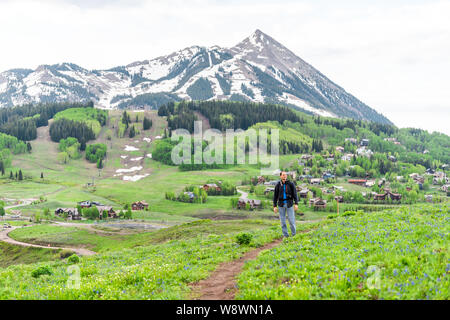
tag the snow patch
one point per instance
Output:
(132, 169)
(130, 148)
(135, 177)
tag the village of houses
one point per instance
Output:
(307, 185)
(329, 184)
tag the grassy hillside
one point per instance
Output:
(16, 255)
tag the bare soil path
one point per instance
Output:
(221, 285)
(4, 236)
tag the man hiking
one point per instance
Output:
(284, 197)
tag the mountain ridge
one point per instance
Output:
(258, 69)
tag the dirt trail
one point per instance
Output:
(221, 285)
(244, 195)
(4, 236)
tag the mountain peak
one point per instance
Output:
(257, 69)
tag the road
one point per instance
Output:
(4, 236)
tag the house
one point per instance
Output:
(261, 180)
(72, 213)
(139, 205)
(440, 177)
(351, 140)
(316, 181)
(88, 204)
(303, 193)
(364, 142)
(392, 158)
(190, 195)
(254, 204)
(340, 188)
(340, 149)
(271, 183)
(379, 196)
(347, 157)
(445, 187)
(318, 203)
(292, 175)
(429, 198)
(370, 183)
(327, 176)
(212, 186)
(362, 151)
(269, 190)
(359, 182)
(108, 209)
(386, 194)
(339, 199)
(306, 157)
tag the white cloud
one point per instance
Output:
(393, 55)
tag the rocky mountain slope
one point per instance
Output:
(258, 69)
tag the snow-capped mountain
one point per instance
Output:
(258, 69)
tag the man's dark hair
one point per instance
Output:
(281, 172)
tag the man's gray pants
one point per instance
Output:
(291, 217)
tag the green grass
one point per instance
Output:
(101, 241)
(161, 271)
(14, 255)
(409, 247)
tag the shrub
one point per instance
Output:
(73, 259)
(65, 253)
(42, 270)
(244, 238)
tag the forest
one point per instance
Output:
(22, 121)
(225, 114)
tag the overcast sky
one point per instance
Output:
(393, 55)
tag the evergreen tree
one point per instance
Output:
(29, 147)
(100, 163)
(82, 145)
(132, 132)
(20, 175)
(147, 123)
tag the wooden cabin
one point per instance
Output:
(359, 182)
(318, 203)
(139, 205)
(254, 204)
(72, 213)
(213, 186)
(108, 209)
